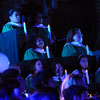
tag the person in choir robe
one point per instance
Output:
(14, 17)
(35, 21)
(36, 49)
(74, 46)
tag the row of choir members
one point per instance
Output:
(73, 46)
(34, 25)
(74, 39)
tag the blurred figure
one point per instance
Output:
(37, 69)
(75, 92)
(13, 84)
(43, 96)
(15, 66)
(59, 74)
(35, 21)
(82, 65)
(73, 79)
(74, 46)
(14, 17)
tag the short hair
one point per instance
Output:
(12, 11)
(70, 34)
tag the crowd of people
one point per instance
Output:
(40, 84)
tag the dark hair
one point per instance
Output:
(12, 11)
(10, 74)
(72, 91)
(32, 18)
(81, 56)
(70, 34)
(33, 63)
(79, 59)
(32, 42)
(10, 81)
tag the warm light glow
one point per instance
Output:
(25, 29)
(87, 76)
(47, 50)
(65, 72)
(87, 49)
(49, 30)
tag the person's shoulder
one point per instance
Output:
(75, 71)
(30, 50)
(7, 27)
(68, 44)
(30, 75)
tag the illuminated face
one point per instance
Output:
(84, 62)
(40, 43)
(39, 19)
(38, 65)
(78, 36)
(15, 17)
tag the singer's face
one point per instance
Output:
(15, 17)
(40, 43)
(78, 36)
(38, 65)
(84, 62)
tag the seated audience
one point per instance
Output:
(73, 79)
(37, 69)
(82, 65)
(59, 74)
(13, 85)
(75, 92)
